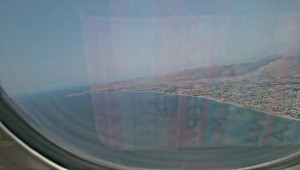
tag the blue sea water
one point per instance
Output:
(156, 130)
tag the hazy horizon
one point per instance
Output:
(58, 44)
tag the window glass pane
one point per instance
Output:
(157, 84)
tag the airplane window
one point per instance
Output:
(153, 84)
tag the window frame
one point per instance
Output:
(10, 117)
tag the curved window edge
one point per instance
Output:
(10, 118)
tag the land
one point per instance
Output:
(270, 85)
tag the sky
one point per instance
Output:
(47, 45)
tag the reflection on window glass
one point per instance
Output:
(157, 84)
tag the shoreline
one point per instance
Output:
(181, 94)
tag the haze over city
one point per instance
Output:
(50, 45)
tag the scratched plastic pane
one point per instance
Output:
(141, 120)
(157, 84)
